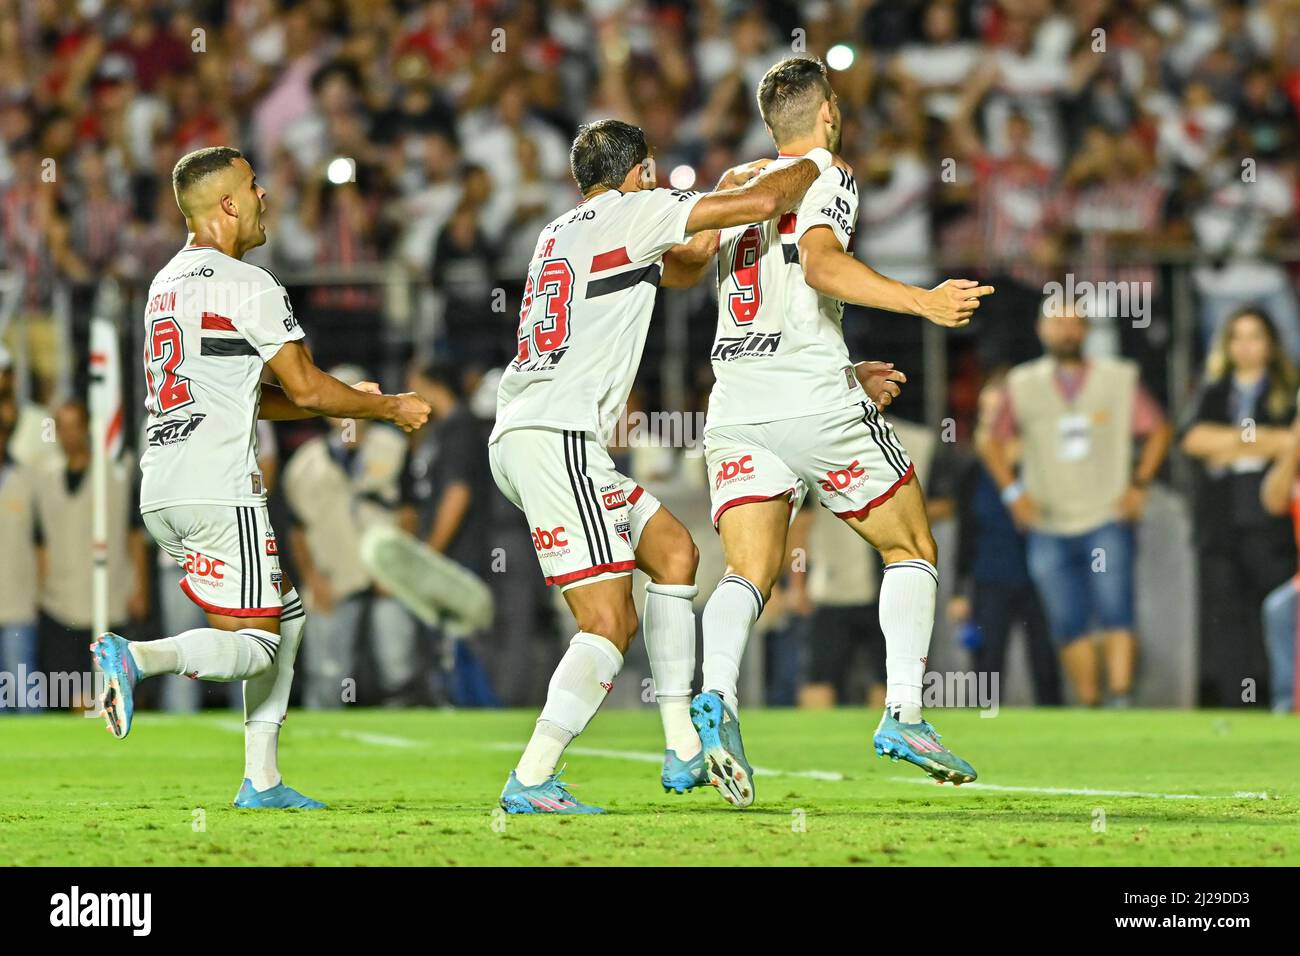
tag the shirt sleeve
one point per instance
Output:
(1005, 425)
(659, 221)
(832, 200)
(266, 320)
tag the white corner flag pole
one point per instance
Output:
(106, 426)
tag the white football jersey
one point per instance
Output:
(211, 323)
(779, 350)
(586, 310)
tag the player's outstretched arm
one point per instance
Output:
(316, 392)
(833, 272)
(762, 198)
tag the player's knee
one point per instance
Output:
(762, 577)
(617, 623)
(680, 568)
(918, 545)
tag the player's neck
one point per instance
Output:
(800, 147)
(202, 237)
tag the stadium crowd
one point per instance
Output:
(1145, 143)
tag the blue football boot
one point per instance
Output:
(120, 677)
(724, 752)
(549, 796)
(278, 797)
(919, 744)
(681, 775)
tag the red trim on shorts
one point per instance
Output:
(614, 567)
(749, 500)
(636, 494)
(231, 611)
(893, 489)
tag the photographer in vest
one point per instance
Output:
(1079, 494)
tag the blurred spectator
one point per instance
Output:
(444, 495)
(25, 422)
(1243, 210)
(1280, 494)
(464, 273)
(1017, 206)
(993, 591)
(337, 485)
(1238, 423)
(63, 499)
(1079, 494)
(18, 588)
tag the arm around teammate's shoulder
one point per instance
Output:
(762, 198)
(318, 392)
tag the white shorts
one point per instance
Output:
(851, 459)
(586, 518)
(229, 554)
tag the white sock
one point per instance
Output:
(266, 699)
(578, 687)
(208, 653)
(907, 596)
(729, 616)
(669, 628)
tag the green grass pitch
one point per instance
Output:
(419, 788)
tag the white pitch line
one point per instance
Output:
(377, 740)
(658, 758)
(1089, 792)
(381, 740)
(406, 743)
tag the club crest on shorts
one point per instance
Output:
(624, 529)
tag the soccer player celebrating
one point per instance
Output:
(788, 415)
(212, 322)
(583, 322)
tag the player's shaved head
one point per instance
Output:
(789, 96)
(195, 170)
(604, 152)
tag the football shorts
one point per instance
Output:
(850, 459)
(229, 554)
(585, 517)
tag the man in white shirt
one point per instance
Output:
(212, 323)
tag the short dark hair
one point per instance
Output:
(198, 165)
(604, 152)
(789, 91)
